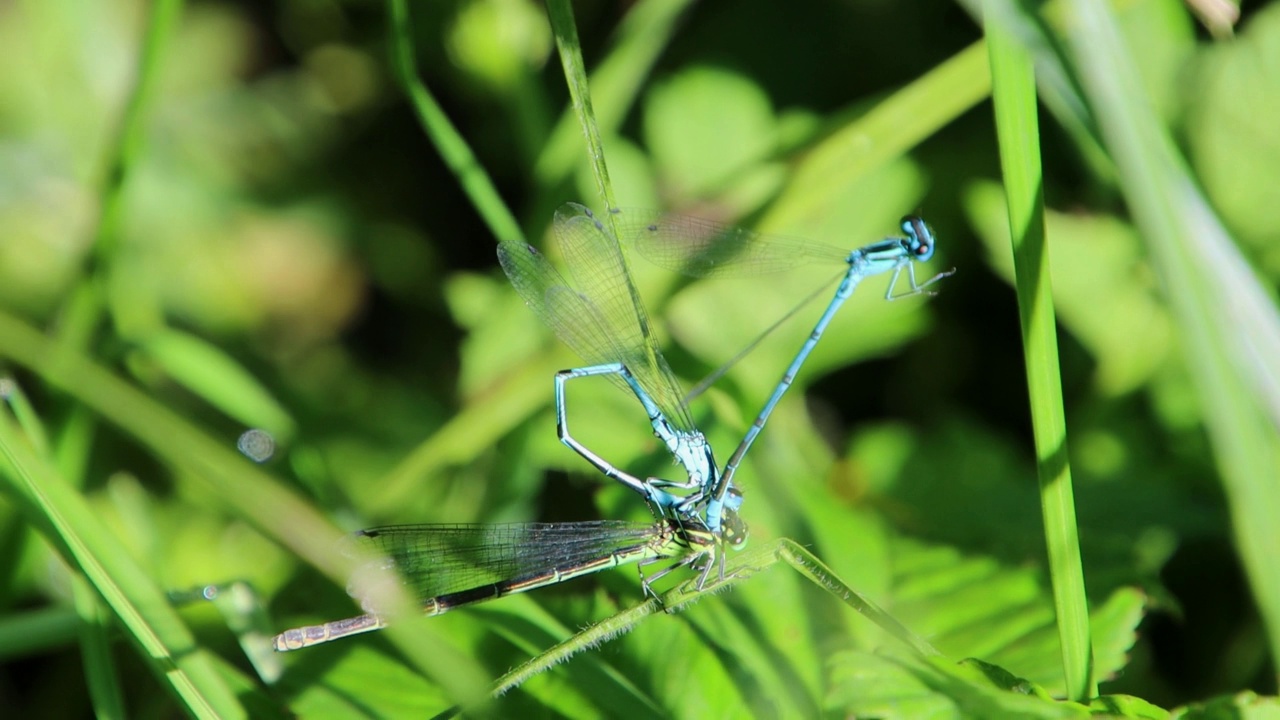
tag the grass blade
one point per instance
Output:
(642, 37)
(885, 133)
(1229, 326)
(87, 545)
(575, 73)
(277, 511)
(1014, 96)
(453, 149)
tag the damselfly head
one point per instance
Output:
(919, 237)
(733, 529)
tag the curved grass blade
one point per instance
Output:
(142, 608)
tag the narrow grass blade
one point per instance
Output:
(252, 494)
(29, 632)
(95, 650)
(453, 148)
(86, 544)
(884, 133)
(1014, 96)
(84, 309)
(95, 618)
(575, 73)
(642, 37)
(1229, 325)
(208, 371)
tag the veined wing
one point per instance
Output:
(597, 264)
(436, 560)
(699, 247)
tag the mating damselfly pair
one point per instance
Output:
(600, 316)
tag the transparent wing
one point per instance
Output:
(597, 264)
(439, 559)
(704, 248)
(570, 315)
(601, 315)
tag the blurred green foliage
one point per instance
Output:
(291, 254)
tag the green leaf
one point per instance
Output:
(704, 126)
(976, 607)
(871, 686)
(1232, 143)
(1127, 706)
(358, 681)
(1243, 706)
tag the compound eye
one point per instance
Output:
(734, 531)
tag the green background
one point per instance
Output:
(274, 242)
